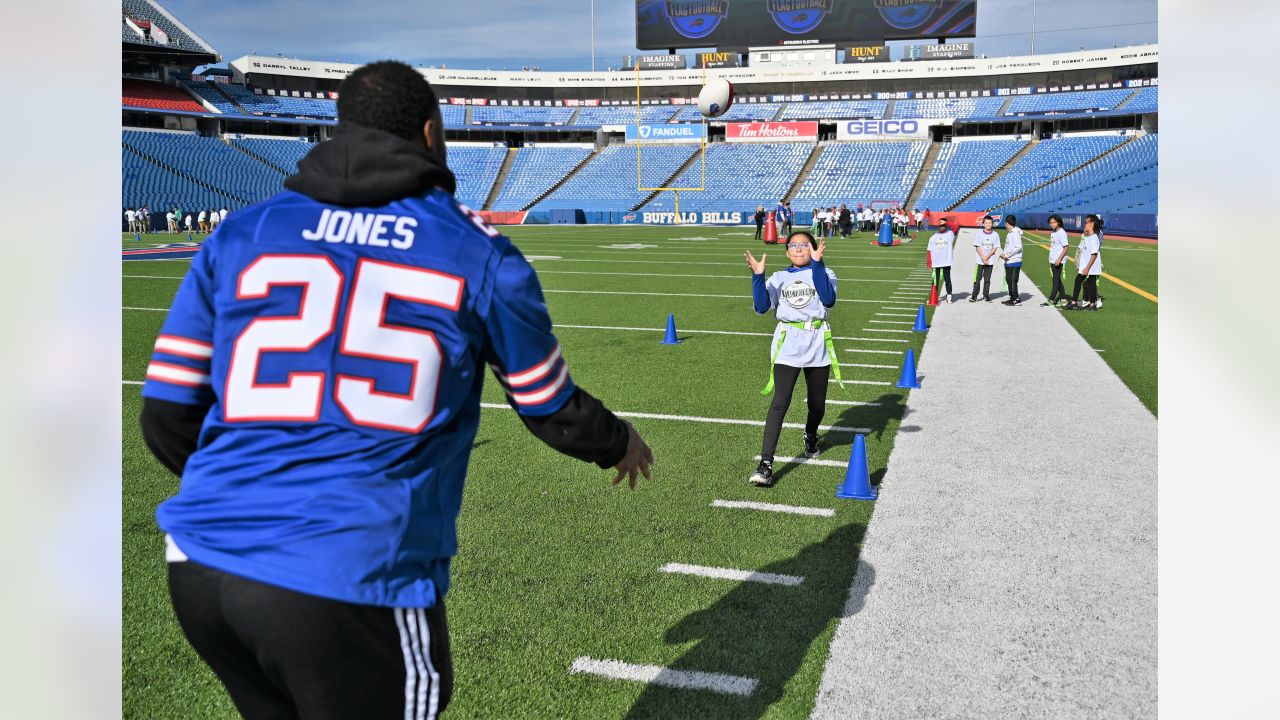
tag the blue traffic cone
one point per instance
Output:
(137, 237)
(857, 479)
(189, 238)
(670, 337)
(920, 326)
(908, 379)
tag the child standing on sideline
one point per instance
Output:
(1088, 265)
(988, 244)
(941, 248)
(1012, 256)
(801, 295)
(1058, 245)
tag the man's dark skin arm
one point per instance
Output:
(172, 431)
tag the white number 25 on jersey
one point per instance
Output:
(364, 334)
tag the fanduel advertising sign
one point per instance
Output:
(882, 130)
(668, 133)
(771, 131)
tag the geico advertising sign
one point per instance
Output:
(771, 131)
(668, 133)
(686, 218)
(882, 130)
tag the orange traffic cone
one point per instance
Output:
(770, 229)
(933, 296)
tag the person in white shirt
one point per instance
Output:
(214, 219)
(203, 221)
(1059, 244)
(941, 249)
(187, 219)
(222, 215)
(130, 220)
(171, 221)
(1088, 265)
(919, 219)
(1012, 257)
(987, 244)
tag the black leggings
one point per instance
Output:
(983, 276)
(1059, 290)
(759, 229)
(784, 382)
(1090, 284)
(1011, 275)
(942, 275)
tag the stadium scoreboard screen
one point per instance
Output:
(759, 23)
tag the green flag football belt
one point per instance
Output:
(807, 325)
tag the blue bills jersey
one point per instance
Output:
(341, 352)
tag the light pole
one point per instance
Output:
(1033, 26)
(593, 35)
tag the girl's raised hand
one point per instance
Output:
(757, 266)
(817, 253)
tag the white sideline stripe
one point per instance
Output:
(715, 421)
(808, 461)
(659, 675)
(869, 350)
(153, 277)
(731, 574)
(852, 402)
(131, 382)
(774, 507)
(865, 365)
(147, 309)
(899, 307)
(894, 315)
(709, 332)
(639, 275)
(887, 330)
(855, 382)
(892, 322)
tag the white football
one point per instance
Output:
(716, 98)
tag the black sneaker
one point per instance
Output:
(987, 299)
(973, 298)
(763, 476)
(1046, 304)
(811, 446)
(1006, 302)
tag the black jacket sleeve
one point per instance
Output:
(171, 431)
(583, 429)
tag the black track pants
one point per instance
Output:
(284, 655)
(784, 382)
(983, 277)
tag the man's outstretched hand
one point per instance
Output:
(637, 461)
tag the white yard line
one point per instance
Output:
(720, 573)
(715, 421)
(866, 365)
(131, 382)
(910, 315)
(853, 402)
(869, 350)
(659, 675)
(866, 382)
(891, 322)
(886, 330)
(774, 507)
(778, 459)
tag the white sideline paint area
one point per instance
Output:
(869, 350)
(908, 315)
(858, 403)
(887, 330)
(867, 365)
(714, 421)
(892, 322)
(806, 461)
(774, 507)
(584, 272)
(666, 677)
(731, 574)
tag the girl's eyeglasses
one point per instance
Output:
(794, 246)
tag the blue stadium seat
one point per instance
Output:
(206, 91)
(499, 115)
(237, 177)
(962, 166)
(739, 177)
(1145, 101)
(534, 170)
(622, 115)
(475, 167)
(739, 112)
(265, 104)
(143, 10)
(948, 107)
(1126, 181)
(608, 182)
(283, 153)
(861, 172)
(835, 110)
(1047, 160)
(1066, 101)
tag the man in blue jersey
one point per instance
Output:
(317, 387)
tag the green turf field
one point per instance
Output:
(555, 564)
(1124, 331)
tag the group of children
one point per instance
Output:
(139, 220)
(988, 247)
(803, 294)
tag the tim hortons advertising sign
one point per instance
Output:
(771, 131)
